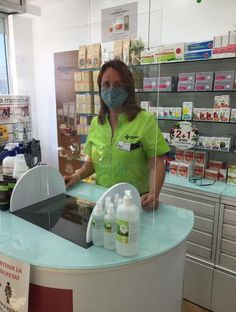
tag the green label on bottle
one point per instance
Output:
(109, 226)
(122, 231)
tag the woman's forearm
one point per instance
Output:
(157, 175)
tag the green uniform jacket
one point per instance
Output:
(123, 157)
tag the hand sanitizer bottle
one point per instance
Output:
(98, 225)
(127, 227)
(110, 228)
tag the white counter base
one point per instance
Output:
(152, 285)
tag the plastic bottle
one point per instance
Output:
(20, 166)
(110, 228)
(98, 225)
(116, 199)
(107, 203)
(127, 227)
(8, 165)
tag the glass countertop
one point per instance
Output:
(160, 231)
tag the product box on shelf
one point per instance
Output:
(95, 78)
(147, 56)
(232, 38)
(200, 45)
(89, 53)
(189, 156)
(223, 85)
(217, 42)
(225, 40)
(96, 56)
(215, 143)
(216, 165)
(82, 56)
(201, 142)
(211, 174)
(222, 175)
(197, 113)
(118, 50)
(170, 52)
(231, 175)
(203, 113)
(174, 168)
(200, 157)
(204, 76)
(203, 86)
(160, 112)
(187, 77)
(233, 115)
(216, 114)
(187, 113)
(185, 170)
(185, 86)
(226, 143)
(197, 55)
(224, 114)
(210, 114)
(221, 101)
(227, 75)
(198, 170)
(179, 155)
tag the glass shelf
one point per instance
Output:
(232, 150)
(223, 59)
(182, 92)
(205, 121)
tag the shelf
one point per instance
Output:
(232, 150)
(185, 92)
(211, 60)
(204, 121)
(185, 62)
(86, 92)
(86, 114)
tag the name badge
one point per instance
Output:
(124, 146)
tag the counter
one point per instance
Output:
(66, 277)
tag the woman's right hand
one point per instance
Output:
(71, 180)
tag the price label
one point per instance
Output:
(183, 135)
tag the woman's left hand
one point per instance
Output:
(149, 201)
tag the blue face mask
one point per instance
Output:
(114, 97)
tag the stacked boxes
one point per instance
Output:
(83, 81)
(95, 78)
(224, 80)
(204, 81)
(84, 103)
(163, 84)
(198, 50)
(225, 46)
(186, 82)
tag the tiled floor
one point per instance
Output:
(190, 307)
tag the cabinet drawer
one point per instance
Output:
(229, 230)
(228, 262)
(230, 216)
(228, 245)
(201, 251)
(197, 207)
(200, 238)
(203, 223)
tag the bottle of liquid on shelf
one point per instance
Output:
(20, 166)
(107, 203)
(98, 225)
(8, 165)
(127, 227)
(110, 228)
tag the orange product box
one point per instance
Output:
(179, 155)
(211, 174)
(189, 156)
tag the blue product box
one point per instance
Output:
(197, 55)
(202, 45)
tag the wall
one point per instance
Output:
(63, 25)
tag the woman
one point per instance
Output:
(124, 143)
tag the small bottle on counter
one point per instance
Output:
(8, 165)
(110, 228)
(98, 225)
(4, 196)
